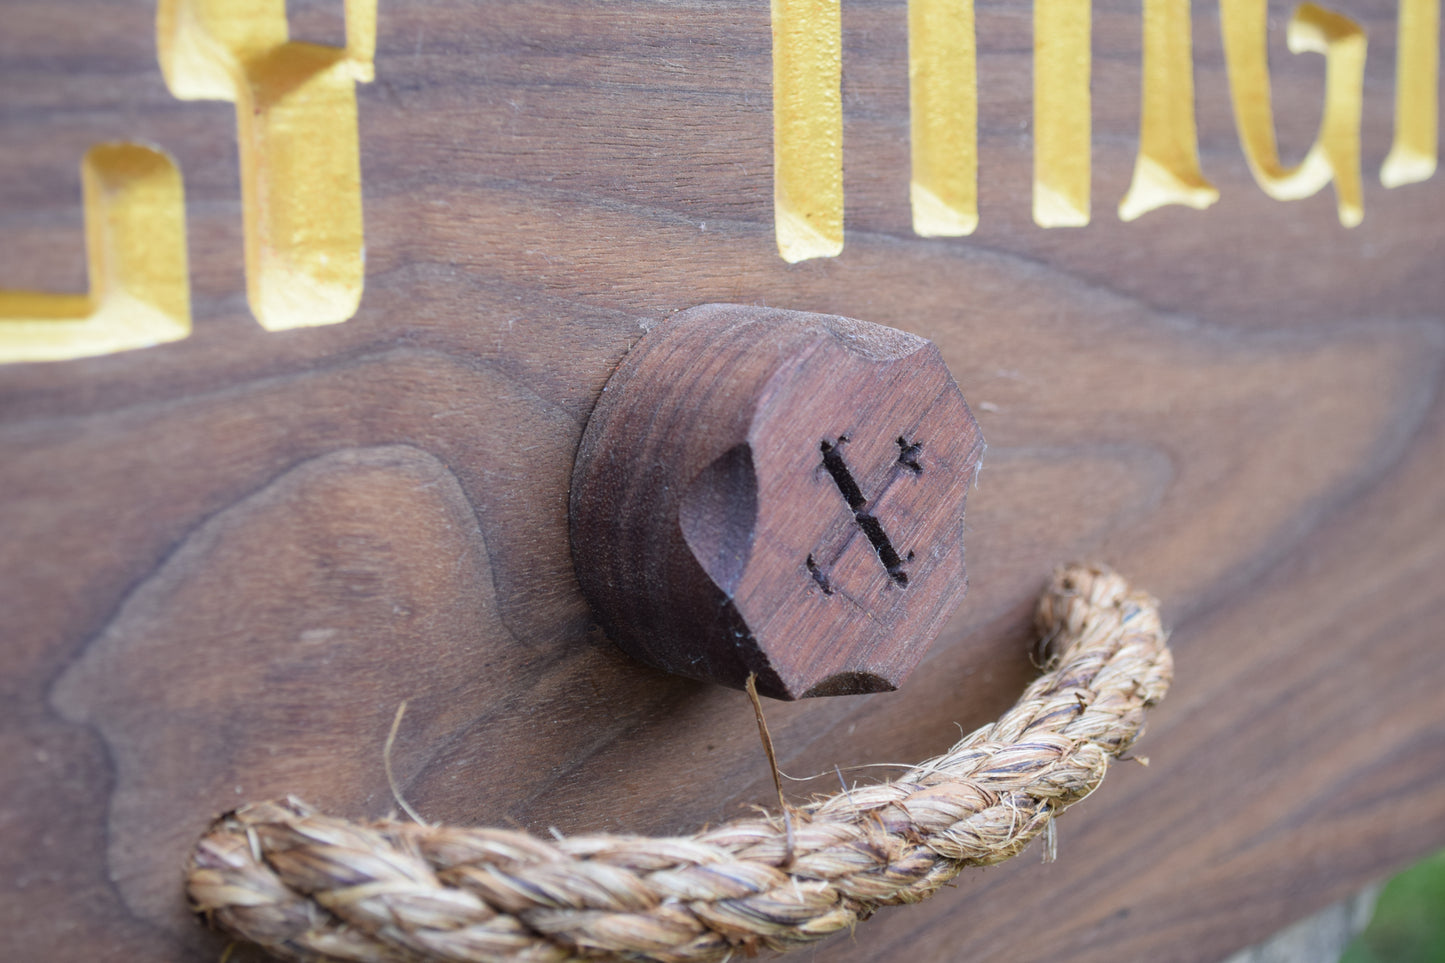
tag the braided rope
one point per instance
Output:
(313, 888)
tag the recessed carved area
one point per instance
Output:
(135, 243)
(819, 575)
(299, 142)
(909, 453)
(718, 513)
(867, 523)
(850, 683)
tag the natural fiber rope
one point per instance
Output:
(315, 888)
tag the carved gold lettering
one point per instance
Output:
(808, 128)
(1062, 105)
(1166, 170)
(135, 243)
(943, 111)
(1335, 154)
(1415, 150)
(297, 132)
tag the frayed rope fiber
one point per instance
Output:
(312, 887)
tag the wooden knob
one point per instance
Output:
(776, 492)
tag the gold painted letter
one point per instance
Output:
(135, 245)
(1415, 150)
(1167, 168)
(1335, 154)
(1062, 123)
(808, 128)
(297, 131)
(943, 111)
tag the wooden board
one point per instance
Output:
(227, 560)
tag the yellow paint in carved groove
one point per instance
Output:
(300, 153)
(1063, 127)
(943, 116)
(1415, 150)
(1335, 154)
(808, 128)
(135, 243)
(1166, 170)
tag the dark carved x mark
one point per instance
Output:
(867, 523)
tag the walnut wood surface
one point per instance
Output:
(227, 560)
(777, 494)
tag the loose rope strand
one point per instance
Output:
(313, 888)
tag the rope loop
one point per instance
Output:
(310, 887)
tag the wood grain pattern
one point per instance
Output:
(227, 560)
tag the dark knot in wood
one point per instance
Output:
(776, 492)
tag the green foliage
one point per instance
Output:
(1409, 921)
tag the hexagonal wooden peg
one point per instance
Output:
(776, 492)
